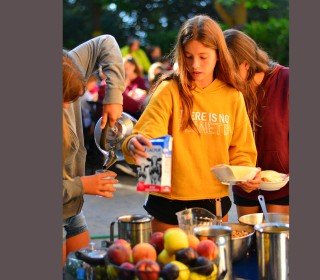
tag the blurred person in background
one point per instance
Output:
(265, 86)
(155, 71)
(136, 88)
(154, 53)
(134, 49)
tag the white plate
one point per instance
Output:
(232, 174)
(274, 186)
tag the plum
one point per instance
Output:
(186, 255)
(170, 272)
(201, 265)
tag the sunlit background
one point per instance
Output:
(156, 22)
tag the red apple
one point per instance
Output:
(118, 254)
(207, 248)
(143, 251)
(156, 239)
(147, 270)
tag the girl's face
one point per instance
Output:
(201, 62)
(129, 68)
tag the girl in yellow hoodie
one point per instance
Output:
(200, 108)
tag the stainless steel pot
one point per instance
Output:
(109, 140)
(257, 218)
(273, 250)
(221, 235)
(133, 228)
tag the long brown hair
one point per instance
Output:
(205, 30)
(73, 88)
(245, 49)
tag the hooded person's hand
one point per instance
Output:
(110, 114)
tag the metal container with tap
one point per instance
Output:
(109, 140)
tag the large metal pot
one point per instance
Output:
(240, 245)
(258, 218)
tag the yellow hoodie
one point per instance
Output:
(225, 136)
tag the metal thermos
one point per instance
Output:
(133, 228)
(273, 251)
(221, 235)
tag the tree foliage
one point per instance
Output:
(157, 22)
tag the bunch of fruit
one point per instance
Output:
(172, 255)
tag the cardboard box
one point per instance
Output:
(154, 172)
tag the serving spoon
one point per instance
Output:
(263, 207)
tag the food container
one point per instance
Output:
(134, 228)
(240, 245)
(273, 250)
(272, 180)
(232, 174)
(221, 235)
(257, 218)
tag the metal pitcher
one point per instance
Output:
(109, 140)
(273, 250)
(221, 235)
(133, 228)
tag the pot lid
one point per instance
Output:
(91, 255)
(136, 218)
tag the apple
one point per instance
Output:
(164, 257)
(193, 241)
(207, 248)
(156, 239)
(175, 239)
(127, 271)
(147, 270)
(118, 254)
(186, 255)
(143, 251)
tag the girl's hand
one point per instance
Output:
(100, 184)
(253, 184)
(137, 147)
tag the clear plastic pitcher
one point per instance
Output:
(190, 218)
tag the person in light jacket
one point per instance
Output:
(79, 64)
